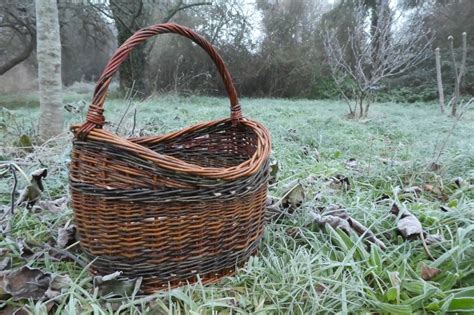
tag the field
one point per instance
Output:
(407, 154)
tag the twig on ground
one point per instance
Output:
(15, 183)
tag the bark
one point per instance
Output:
(22, 56)
(129, 17)
(49, 68)
(439, 80)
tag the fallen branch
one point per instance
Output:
(15, 183)
(339, 218)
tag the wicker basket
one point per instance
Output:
(170, 207)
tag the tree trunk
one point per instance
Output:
(361, 106)
(49, 69)
(439, 80)
(131, 72)
(129, 17)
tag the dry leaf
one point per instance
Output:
(66, 236)
(26, 283)
(294, 195)
(351, 163)
(320, 288)
(11, 309)
(114, 285)
(409, 226)
(434, 167)
(270, 201)
(339, 182)
(395, 210)
(408, 193)
(24, 249)
(459, 182)
(55, 206)
(335, 216)
(428, 273)
(334, 221)
(5, 263)
(274, 168)
(32, 193)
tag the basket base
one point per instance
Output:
(151, 284)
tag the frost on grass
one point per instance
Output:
(334, 182)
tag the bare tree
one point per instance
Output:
(17, 29)
(458, 72)
(130, 16)
(49, 68)
(372, 53)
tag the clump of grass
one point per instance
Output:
(314, 271)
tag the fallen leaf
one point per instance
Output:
(434, 167)
(55, 206)
(459, 182)
(337, 217)
(26, 283)
(114, 285)
(335, 209)
(334, 221)
(351, 163)
(66, 236)
(415, 190)
(409, 226)
(339, 182)
(32, 193)
(5, 263)
(395, 210)
(294, 195)
(270, 201)
(320, 288)
(24, 249)
(11, 309)
(274, 168)
(428, 273)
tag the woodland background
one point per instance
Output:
(274, 48)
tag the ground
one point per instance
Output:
(407, 154)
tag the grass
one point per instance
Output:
(318, 271)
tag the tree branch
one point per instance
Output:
(180, 7)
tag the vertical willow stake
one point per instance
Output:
(439, 80)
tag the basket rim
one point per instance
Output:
(134, 144)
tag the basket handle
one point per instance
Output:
(95, 118)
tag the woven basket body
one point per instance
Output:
(170, 207)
